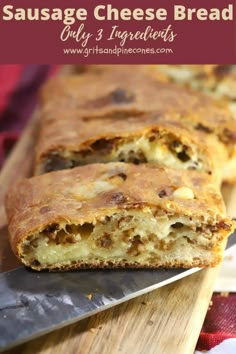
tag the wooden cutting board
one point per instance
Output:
(165, 321)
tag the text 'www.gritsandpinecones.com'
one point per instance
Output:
(117, 51)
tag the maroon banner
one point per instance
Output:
(121, 31)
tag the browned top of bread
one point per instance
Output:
(90, 192)
(127, 90)
(76, 109)
(197, 70)
(218, 80)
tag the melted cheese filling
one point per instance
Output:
(160, 154)
(180, 74)
(130, 235)
(140, 150)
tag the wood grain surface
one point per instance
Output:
(165, 321)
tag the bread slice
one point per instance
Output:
(142, 138)
(85, 120)
(219, 81)
(117, 215)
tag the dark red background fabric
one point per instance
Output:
(220, 322)
(19, 86)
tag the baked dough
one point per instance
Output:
(117, 215)
(123, 114)
(219, 81)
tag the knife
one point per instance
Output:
(33, 304)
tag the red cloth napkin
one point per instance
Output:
(19, 86)
(18, 91)
(220, 321)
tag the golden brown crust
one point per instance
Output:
(104, 136)
(71, 98)
(217, 80)
(80, 110)
(91, 192)
(215, 259)
(86, 96)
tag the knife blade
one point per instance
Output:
(35, 303)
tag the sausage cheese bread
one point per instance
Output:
(117, 215)
(128, 116)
